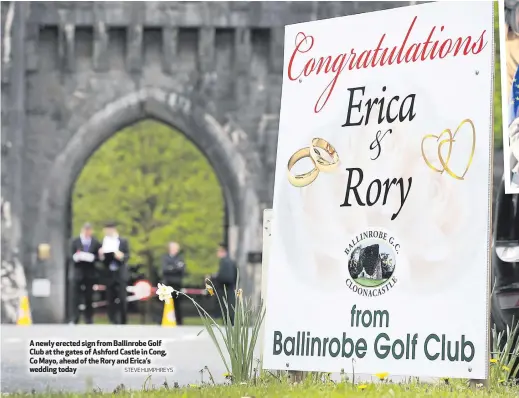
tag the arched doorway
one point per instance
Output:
(159, 187)
(199, 126)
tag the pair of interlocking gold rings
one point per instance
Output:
(449, 141)
(321, 164)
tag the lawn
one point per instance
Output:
(370, 282)
(307, 389)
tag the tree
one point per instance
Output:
(387, 265)
(159, 187)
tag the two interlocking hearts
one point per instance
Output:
(448, 138)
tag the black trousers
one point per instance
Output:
(229, 289)
(116, 297)
(177, 301)
(83, 292)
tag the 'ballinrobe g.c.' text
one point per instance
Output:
(408, 51)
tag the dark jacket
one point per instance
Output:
(227, 272)
(173, 268)
(83, 268)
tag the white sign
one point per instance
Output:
(41, 288)
(510, 94)
(267, 242)
(141, 290)
(380, 240)
(83, 256)
(110, 244)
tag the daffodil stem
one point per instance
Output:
(197, 306)
(237, 338)
(210, 375)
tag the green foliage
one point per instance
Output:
(159, 187)
(271, 386)
(498, 115)
(234, 342)
(505, 354)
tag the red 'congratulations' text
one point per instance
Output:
(407, 52)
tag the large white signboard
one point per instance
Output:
(380, 240)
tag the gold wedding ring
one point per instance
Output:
(301, 180)
(321, 163)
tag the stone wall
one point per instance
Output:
(12, 276)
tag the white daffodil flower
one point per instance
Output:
(164, 292)
(209, 289)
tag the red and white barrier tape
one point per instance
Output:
(142, 290)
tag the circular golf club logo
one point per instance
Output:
(372, 258)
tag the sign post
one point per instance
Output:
(267, 232)
(294, 376)
(382, 195)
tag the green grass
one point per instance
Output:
(307, 389)
(370, 282)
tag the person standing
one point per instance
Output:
(114, 253)
(84, 255)
(225, 279)
(173, 270)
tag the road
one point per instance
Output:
(187, 353)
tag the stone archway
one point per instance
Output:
(172, 109)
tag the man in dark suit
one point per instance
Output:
(114, 253)
(84, 255)
(225, 279)
(173, 270)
